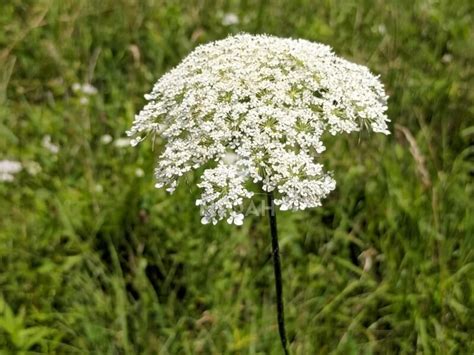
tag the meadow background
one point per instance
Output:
(93, 259)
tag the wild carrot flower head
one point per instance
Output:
(255, 108)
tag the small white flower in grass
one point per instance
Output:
(122, 143)
(447, 58)
(8, 169)
(106, 139)
(255, 109)
(139, 172)
(84, 100)
(88, 89)
(47, 144)
(230, 19)
(76, 87)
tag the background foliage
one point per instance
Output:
(94, 259)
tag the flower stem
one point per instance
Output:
(277, 270)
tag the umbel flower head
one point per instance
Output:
(255, 108)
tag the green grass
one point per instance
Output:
(93, 259)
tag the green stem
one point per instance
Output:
(277, 270)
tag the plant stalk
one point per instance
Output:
(277, 270)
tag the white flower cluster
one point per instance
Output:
(8, 168)
(49, 145)
(265, 102)
(230, 19)
(84, 91)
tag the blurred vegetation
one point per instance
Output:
(93, 259)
